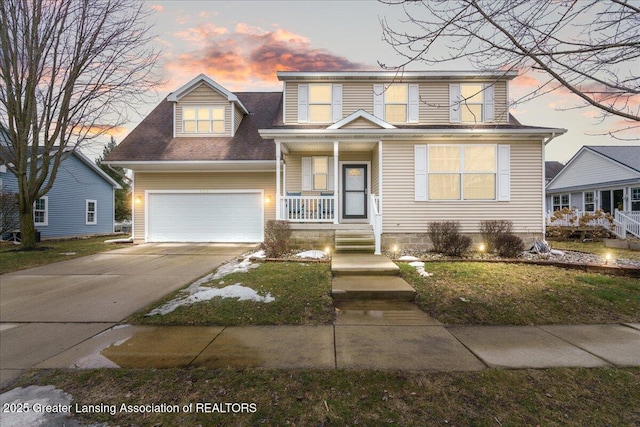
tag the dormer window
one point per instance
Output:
(203, 119)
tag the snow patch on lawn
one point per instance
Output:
(315, 254)
(419, 266)
(408, 258)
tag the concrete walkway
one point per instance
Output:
(366, 335)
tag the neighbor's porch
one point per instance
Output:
(331, 184)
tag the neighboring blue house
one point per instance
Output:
(80, 203)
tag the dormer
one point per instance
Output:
(203, 108)
(411, 98)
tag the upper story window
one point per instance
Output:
(471, 103)
(203, 119)
(396, 99)
(319, 103)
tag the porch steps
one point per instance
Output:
(364, 276)
(359, 241)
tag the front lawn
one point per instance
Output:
(549, 397)
(12, 258)
(597, 248)
(465, 293)
(302, 295)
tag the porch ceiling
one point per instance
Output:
(328, 146)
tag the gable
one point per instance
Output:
(360, 123)
(203, 94)
(588, 168)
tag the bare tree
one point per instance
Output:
(8, 211)
(589, 47)
(70, 71)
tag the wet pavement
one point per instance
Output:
(385, 335)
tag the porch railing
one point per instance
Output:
(308, 208)
(626, 223)
(376, 222)
(572, 219)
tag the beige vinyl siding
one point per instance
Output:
(203, 95)
(404, 215)
(201, 181)
(237, 117)
(433, 102)
(375, 171)
(294, 166)
(360, 123)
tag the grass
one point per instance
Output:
(301, 292)
(567, 397)
(510, 294)
(50, 251)
(597, 248)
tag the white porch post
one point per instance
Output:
(278, 155)
(336, 174)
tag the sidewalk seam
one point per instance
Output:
(477, 356)
(207, 346)
(576, 346)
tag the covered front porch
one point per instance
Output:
(330, 185)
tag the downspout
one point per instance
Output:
(544, 186)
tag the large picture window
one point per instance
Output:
(203, 119)
(462, 172)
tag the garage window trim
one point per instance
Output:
(91, 212)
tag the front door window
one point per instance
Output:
(354, 178)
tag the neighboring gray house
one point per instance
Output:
(80, 203)
(551, 169)
(598, 177)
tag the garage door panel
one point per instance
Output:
(205, 217)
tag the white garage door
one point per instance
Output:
(205, 217)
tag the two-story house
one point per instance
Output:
(333, 151)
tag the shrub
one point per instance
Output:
(490, 230)
(509, 245)
(446, 238)
(276, 238)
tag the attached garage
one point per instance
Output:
(204, 216)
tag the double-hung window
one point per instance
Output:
(203, 119)
(589, 201)
(396, 99)
(471, 103)
(41, 211)
(91, 212)
(635, 199)
(320, 173)
(560, 201)
(320, 103)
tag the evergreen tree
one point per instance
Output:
(123, 196)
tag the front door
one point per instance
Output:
(354, 191)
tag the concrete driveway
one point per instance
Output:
(46, 310)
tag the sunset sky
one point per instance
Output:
(241, 45)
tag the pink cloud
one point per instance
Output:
(249, 56)
(157, 7)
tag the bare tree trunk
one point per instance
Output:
(27, 227)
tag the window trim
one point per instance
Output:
(211, 120)
(406, 104)
(87, 212)
(314, 173)
(633, 200)
(560, 204)
(45, 210)
(585, 203)
(310, 104)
